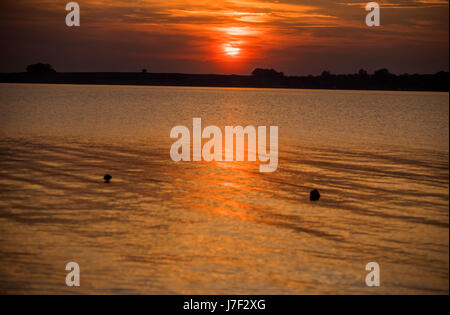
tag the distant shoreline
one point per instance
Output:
(438, 82)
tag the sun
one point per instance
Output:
(231, 50)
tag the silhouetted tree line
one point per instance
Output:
(40, 68)
(380, 80)
(267, 73)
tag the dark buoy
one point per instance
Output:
(107, 178)
(314, 195)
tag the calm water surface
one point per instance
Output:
(380, 160)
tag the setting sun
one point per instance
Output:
(230, 50)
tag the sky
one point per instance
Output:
(225, 36)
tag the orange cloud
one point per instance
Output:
(241, 33)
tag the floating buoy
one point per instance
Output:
(107, 178)
(314, 195)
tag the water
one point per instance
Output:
(379, 159)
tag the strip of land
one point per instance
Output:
(361, 81)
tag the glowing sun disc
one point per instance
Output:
(230, 50)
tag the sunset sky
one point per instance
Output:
(226, 36)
